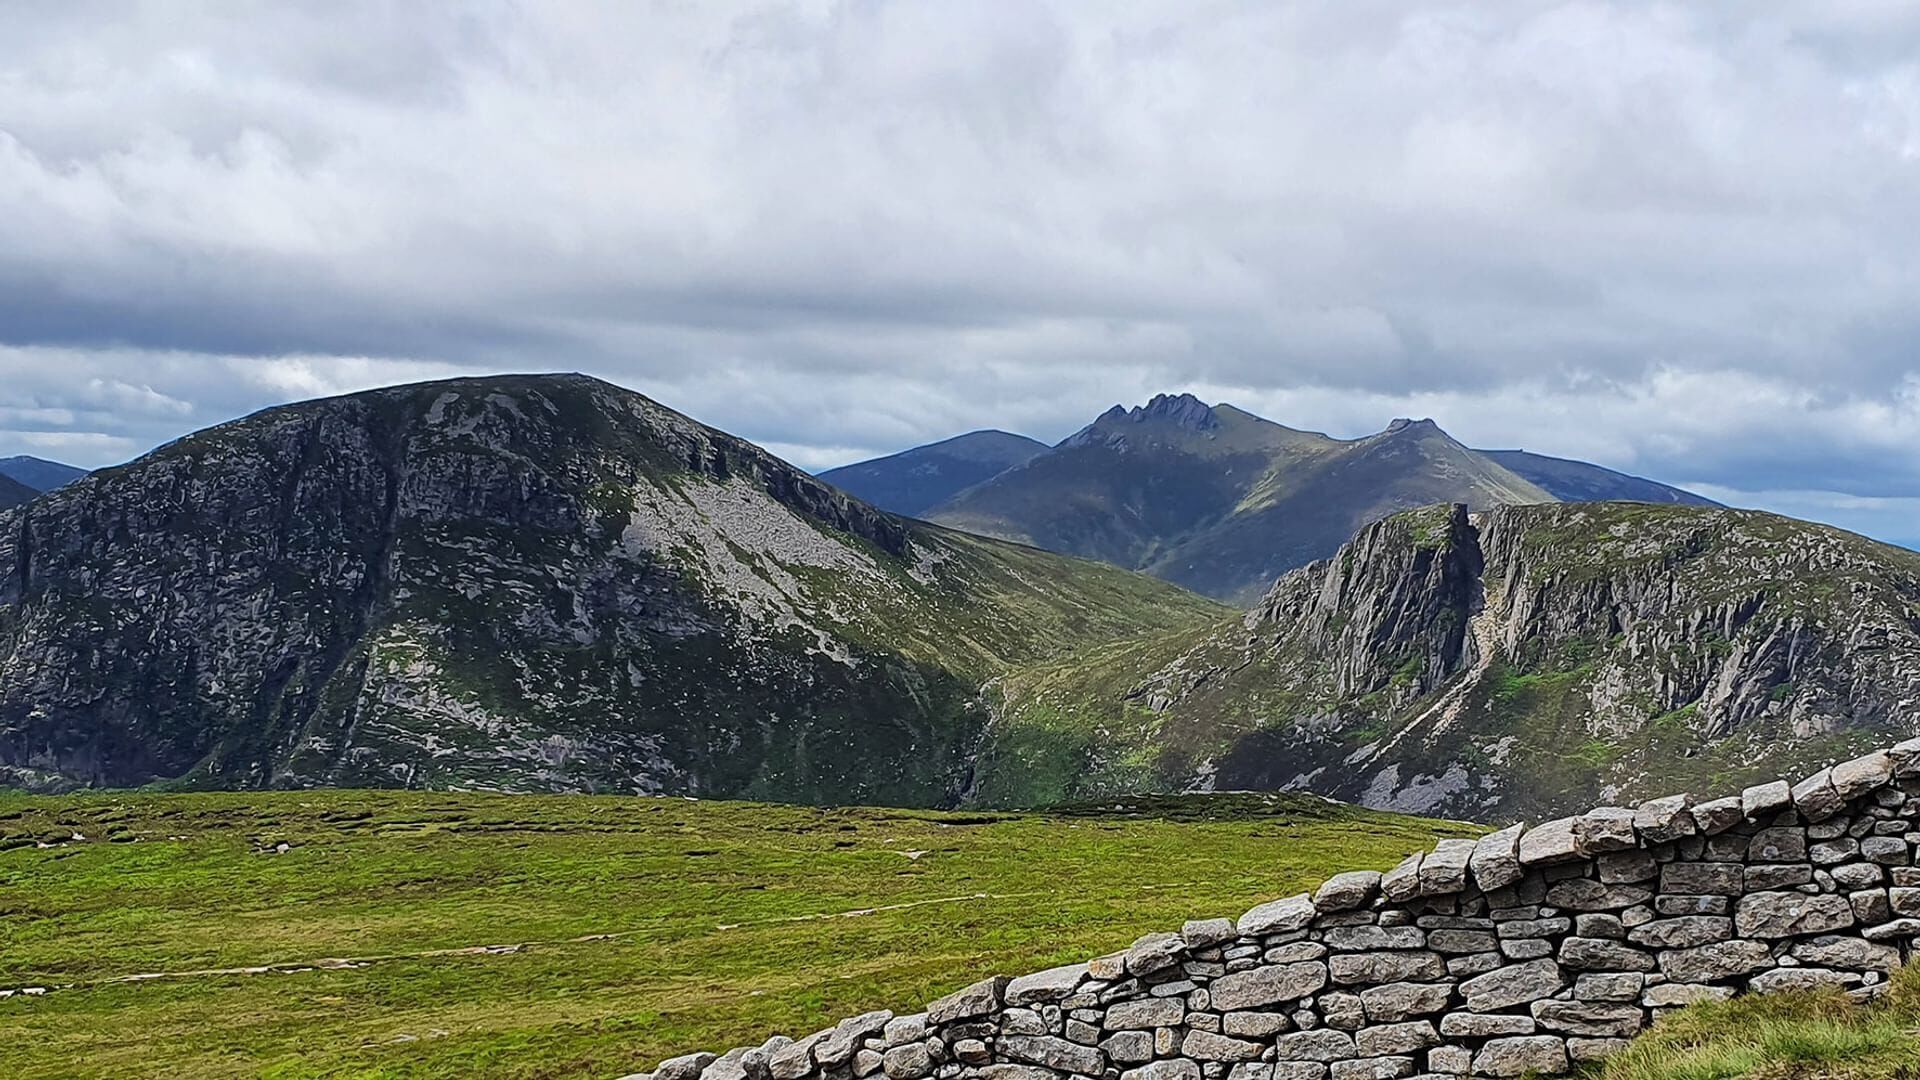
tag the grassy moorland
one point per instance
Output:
(406, 934)
(1800, 1036)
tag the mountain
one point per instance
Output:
(1520, 661)
(913, 480)
(1219, 500)
(13, 492)
(527, 583)
(1578, 481)
(39, 473)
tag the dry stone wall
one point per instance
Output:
(1528, 950)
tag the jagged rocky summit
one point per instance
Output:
(1527, 951)
(1516, 661)
(539, 583)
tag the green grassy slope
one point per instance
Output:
(631, 928)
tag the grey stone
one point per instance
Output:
(1600, 954)
(1800, 978)
(795, 1061)
(1496, 859)
(1402, 1001)
(1685, 932)
(979, 999)
(1278, 916)
(684, 1067)
(1549, 842)
(1703, 879)
(1672, 994)
(1693, 905)
(838, 1047)
(1387, 1039)
(1885, 850)
(1583, 1051)
(1481, 1025)
(1207, 1046)
(1815, 797)
(1444, 870)
(1627, 867)
(1129, 1047)
(1855, 778)
(1343, 1010)
(1609, 986)
(1054, 1053)
(1719, 815)
(1144, 1013)
(1206, 933)
(1829, 852)
(1765, 800)
(1320, 1044)
(1870, 905)
(1526, 948)
(1296, 952)
(1022, 1022)
(1267, 985)
(976, 1051)
(1661, 820)
(1045, 986)
(1370, 938)
(1605, 828)
(1521, 1055)
(1154, 952)
(1108, 968)
(1790, 914)
(1847, 952)
(1905, 900)
(1299, 1070)
(1778, 845)
(1466, 967)
(1373, 1068)
(1711, 963)
(905, 1029)
(1594, 1019)
(1349, 969)
(1461, 941)
(1260, 1070)
(909, 1062)
(1778, 876)
(868, 1062)
(1600, 924)
(1403, 881)
(1254, 1025)
(1585, 894)
(1509, 986)
(1344, 892)
(1450, 1061)
(1533, 928)
(1172, 1069)
(1892, 931)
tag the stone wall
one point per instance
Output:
(1528, 950)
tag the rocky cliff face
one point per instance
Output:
(525, 584)
(1516, 661)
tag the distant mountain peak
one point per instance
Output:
(1184, 410)
(1422, 426)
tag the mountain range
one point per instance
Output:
(551, 583)
(543, 583)
(1214, 498)
(22, 478)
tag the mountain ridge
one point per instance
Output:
(520, 583)
(39, 474)
(913, 480)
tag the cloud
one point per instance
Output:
(1683, 239)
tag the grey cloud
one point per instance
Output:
(1683, 239)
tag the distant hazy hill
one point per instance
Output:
(39, 473)
(1578, 481)
(913, 480)
(540, 583)
(1220, 500)
(1525, 661)
(13, 492)
(1214, 498)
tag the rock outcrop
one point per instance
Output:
(1526, 951)
(1521, 661)
(538, 583)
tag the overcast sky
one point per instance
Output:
(1679, 240)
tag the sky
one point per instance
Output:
(1681, 240)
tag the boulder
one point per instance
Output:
(1862, 775)
(1550, 842)
(1045, 986)
(1206, 933)
(1606, 828)
(684, 1067)
(1718, 815)
(1154, 952)
(1403, 881)
(979, 999)
(1762, 801)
